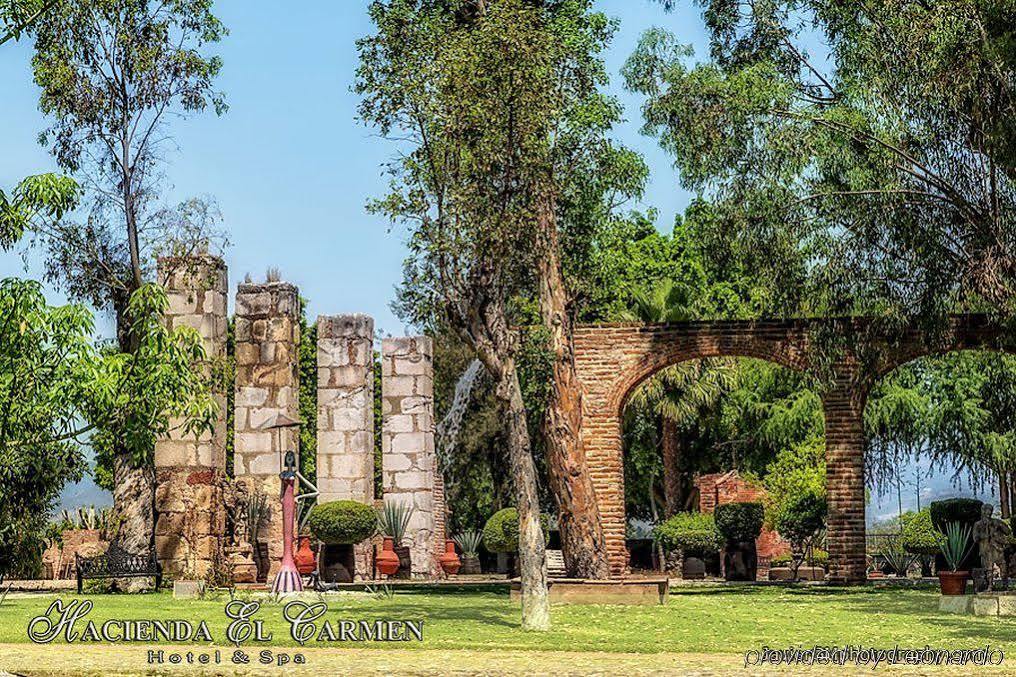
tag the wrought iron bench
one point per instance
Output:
(117, 563)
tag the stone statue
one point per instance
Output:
(991, 536)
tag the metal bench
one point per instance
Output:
(117, 563)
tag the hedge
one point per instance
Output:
(918, 534)
(739, 521)
(342, 522)
(962, 510)
(689, 532)
(501, 532)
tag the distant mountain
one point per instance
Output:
(83, 494)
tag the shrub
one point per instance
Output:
(918, 534)
(689, 532)
(802, 519)
(739, 521)
(819, 558)
(342, 522)
(962, 510)
(501, 532)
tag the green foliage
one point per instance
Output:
(896, 555)
(469, 542)
(956, 544)
(739, 521)
(882, 161)
(342, 522)
(918, 533)
(692, 533)
(393, 519)
(501, 532)
(802, 519)
(308, 395)
(960, 510)
(797, 471)
(45, 197)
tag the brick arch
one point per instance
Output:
(611, 360)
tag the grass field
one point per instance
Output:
(709, 623)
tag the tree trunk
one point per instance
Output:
(1003, 494)
(582, 541)
(133, 487)
(532, 548)
(1012, 493)
(671, 444)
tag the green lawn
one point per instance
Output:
(702, 620)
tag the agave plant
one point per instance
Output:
(254, 517)
(393, 520)
(469, 542)
(898, 559)
(956, 545)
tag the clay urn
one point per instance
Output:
(306, 561)
(450, 561)
(388, 561)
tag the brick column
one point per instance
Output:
(844, 434)
(409, 463)
(267, 383)
(602, 440)
(190, 518)
(345, 428)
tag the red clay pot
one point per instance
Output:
(388, 561)
(450, 561)
(306, 562)
(953, 582)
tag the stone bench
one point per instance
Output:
(616, 591)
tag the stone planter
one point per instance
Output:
(470, 565)
(740, 561)
(242, 565)
(405, 562)
(693, 569)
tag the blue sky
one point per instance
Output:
(289, 164)
(291, 167)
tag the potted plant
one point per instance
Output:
(245, 562)
(895, 555)
(964, 511)
(801, 520)
(340, 525)
(501, 532)
(392, 522)
(469, 544)
(956, 545)
(688, 536)
(739, 524)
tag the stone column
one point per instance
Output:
(267, 337)
(190, 518)
(844, 434)
(345, 427)
(409, 464)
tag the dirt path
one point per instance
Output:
(35, 660)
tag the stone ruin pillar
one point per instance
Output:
(190, 518)
(267, 383)
(409, 468)
(345, 426)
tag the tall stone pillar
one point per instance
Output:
(190, 518)
(267, 337)
(345, 424)
(844, 435)
(409, 464)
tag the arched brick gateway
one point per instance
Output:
(613, 359)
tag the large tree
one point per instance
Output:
(111, 74)
(876, 133)
(470, 93)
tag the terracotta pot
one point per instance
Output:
(306, 562)
(953, 582)
(450, 561)
(388, 561)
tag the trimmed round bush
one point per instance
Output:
(802, 518)
(689, 532)
(342, 522)
(501, 532)
(962, 510)
(917, 533)
(739, 521)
